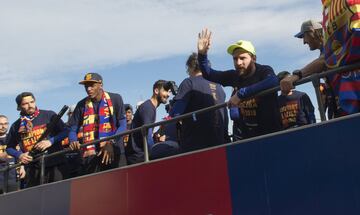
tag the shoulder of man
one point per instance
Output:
(15, 126)
(186, 82)
(264, 68)
(114, 95)
(80, 105)
(47, 112)
(299, 93)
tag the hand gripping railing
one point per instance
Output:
(315, 79)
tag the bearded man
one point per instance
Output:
(259, 114)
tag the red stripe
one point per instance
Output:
(353, 2)
(355, 17)
(352, 58)
(88, 128)
(350, 86)
(355, 41)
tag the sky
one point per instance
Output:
(47, 46)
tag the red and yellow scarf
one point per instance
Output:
(99, 124)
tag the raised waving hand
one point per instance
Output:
(204, 41)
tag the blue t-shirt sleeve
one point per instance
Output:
(148, 116)
(12, 142)
(234, 113)
(225, 78)
(74, 123)
(269, 80)
(308, 109)
(182, 98)
(119, 115)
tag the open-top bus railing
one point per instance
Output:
(315, 79)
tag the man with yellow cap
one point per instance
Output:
(260, 114)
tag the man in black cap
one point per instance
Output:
(26, 131)
(101, 114)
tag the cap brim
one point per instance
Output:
(299, 35)
(231, 48)
(89, 81)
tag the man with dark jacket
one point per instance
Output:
(259, 114)
(101, 114)
(26, 131)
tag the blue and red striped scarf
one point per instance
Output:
(341, 21)
(25, 122)
(100, 123)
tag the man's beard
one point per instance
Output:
(245, 72)
(160, 101)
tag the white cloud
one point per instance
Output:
(40, 38)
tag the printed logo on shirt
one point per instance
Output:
(289, 113)
(248, 110)
(248, 107)
(30, 138)
(213, 90)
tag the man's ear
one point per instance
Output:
(254, 58)
(156, 91)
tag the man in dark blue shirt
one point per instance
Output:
(25, 133)
(296, 108)
(146, 114)
(206, 129)
(101, 114)
(260, 114)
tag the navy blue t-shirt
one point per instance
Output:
(206, 129)
(296, 109)
(260, 114)
(145, 114)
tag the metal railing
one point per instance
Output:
(315, 79)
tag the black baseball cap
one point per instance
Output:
(92, 78)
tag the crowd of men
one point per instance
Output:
(102, 114)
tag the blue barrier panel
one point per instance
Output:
(310, 170)
(313, 170)
(48, 199)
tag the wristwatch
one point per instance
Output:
(298, 73)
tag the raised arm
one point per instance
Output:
(204, 41)
(224, 78)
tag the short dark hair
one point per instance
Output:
(192, 63)
(159, 84)
(21, 96)
(282, 75)
(128, 107)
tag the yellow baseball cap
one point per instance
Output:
(242, 44)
